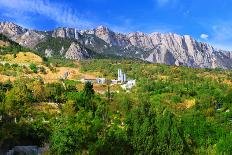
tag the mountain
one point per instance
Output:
(71, 43)
(7, 46)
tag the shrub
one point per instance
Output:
(33, 67)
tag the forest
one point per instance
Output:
(172, 110)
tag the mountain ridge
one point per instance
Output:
(156, 47)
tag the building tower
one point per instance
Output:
(124, 77)
(119, 75)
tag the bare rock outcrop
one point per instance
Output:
(76, 52)
(169, 48)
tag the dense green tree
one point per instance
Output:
(18, 100)
(114, 140)
(224, 145)
(86, 98)
(75, 134)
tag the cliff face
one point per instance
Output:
(171, 49)
(23, 36)
(66, 33)
(76, 52)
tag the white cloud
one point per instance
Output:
(204, 36)
(59, 13)
(220, 32)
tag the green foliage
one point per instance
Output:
(55, 44)
(33, 67)
(74, 134)
(224, 144)
(86, 98)
(171, 110)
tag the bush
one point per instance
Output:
(33, 67)
(7, 65)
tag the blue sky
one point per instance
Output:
(206, 20)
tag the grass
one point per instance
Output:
(23, 57)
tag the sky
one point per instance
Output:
(206, 20)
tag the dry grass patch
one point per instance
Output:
(4, 78)
(101, 89)
(24, 57)
(186, 104)
(60, 71)
(228, 82)
(163, 77)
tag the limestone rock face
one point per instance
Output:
(48, 53)
(162, 55)
(139, 39)
(110, 37)
(11, 29)
(29, 38)
(66, 33)
(76, 52)
(169, 48)
(24, 37)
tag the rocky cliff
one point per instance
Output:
(171, 49)
(76, 52)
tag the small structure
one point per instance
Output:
(101, 80)
(114, 81)
(121, 76)
(66, 74)
(129, 85)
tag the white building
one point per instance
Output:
(124, 78)
(121, 76)
(114, 82)
(129, 85)
(101, 80)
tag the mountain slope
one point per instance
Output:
(7, 46)
(171, 49)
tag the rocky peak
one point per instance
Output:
(29, 39)
(105, 34)
(169, 48)
(11, 29)
(102, 28)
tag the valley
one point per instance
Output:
(99, 77)
(56, 105)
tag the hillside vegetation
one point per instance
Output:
(8, 46)
(171, 110)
